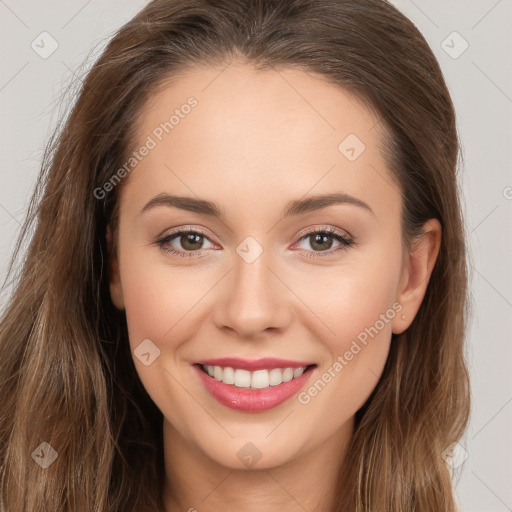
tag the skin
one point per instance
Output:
(255, 141)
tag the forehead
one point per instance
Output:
(251, 132)
(261, 102)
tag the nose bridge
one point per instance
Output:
(255, 298)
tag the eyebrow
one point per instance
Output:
(293, 208)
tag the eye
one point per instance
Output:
(321, 241)
(191, 241)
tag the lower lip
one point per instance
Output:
(253, 400)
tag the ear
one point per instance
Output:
(416, 273)
(116, 289)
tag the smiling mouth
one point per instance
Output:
(258, 379)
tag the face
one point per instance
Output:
(262, 273)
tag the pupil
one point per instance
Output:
(191, 239)
(319, 238)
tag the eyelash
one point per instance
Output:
(345, 242)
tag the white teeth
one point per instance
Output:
(228, 376)
(242, 378)
(298, 372)
(217, 373)
(275, 376)
(258, 379)
(287, 374)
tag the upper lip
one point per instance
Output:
(253, 364)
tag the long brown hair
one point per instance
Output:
(66, 372)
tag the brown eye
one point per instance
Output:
(321, 241)
(185, 242)
(191, 241)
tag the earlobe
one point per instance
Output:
(416, 274)
(116, 290)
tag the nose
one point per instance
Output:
(254, 299)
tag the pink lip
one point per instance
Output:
(253, 365)
(252, 400)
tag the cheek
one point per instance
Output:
(155, 297)
(155, 310)
(148, 313)
(351, 298)
(361, 306)
(357, 354)
(359, 317)
(357, 303)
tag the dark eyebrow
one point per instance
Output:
(190, 204)
(293, 208)
(322, 201)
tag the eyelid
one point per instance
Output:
(196, 229)
(301, 234)
(324, 228)
(344, 238)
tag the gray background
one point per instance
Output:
(31, 89)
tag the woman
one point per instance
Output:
(246, 285)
